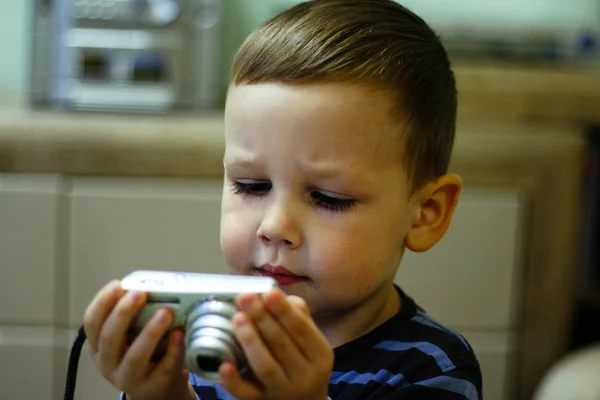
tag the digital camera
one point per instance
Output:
(203, 305)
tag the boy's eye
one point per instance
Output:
(251, 188)
(261, 188)
(332, 203)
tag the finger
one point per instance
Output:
(236, 385)
(299, 302)
(112, 338)
(275, 336)
(170, 365)
(136, 360)
(300, 326)
(262, 363)
(98, 310)
(185, 373)
(167, 376)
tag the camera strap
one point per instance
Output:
(74, 364)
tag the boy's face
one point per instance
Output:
(315, 187)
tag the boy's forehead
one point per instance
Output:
(341, 114)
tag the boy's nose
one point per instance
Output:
(279, 227)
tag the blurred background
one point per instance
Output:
(111, 143)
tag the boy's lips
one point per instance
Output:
(282, 275)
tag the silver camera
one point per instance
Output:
(203, 305)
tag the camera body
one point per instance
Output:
(202, 305)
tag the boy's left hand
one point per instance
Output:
(289, 356)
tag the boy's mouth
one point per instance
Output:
(282, 275)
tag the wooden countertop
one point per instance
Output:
(192, 145)
(102, 144)
(529, 92)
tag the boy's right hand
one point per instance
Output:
(128, 368)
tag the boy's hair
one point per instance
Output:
(377, 42)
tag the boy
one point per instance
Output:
(339, 123)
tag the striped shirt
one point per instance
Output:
(410, 356)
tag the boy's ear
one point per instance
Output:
(436, 203)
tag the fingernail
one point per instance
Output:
(274, 296)
(177, 338)
(116, 289)
(240, 320)
(161, 315)
(135, 297)
(247, 301)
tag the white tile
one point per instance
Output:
(118, 226)
(470, 278)
(30, 210)
(496, 354)
(34, 365)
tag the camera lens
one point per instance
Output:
(209, 364)
(210, 340)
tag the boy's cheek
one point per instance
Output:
(344, 257)
(346, 267)
(236, 241)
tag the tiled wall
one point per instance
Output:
(62, 239)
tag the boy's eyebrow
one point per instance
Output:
(239, 160)
(323, 171)
(326, 169)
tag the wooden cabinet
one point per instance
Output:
(502, 276)
(543, 163)
(470, 280)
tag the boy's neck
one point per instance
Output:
(343, 328)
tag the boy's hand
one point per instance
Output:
(289, 357)
(128, 368)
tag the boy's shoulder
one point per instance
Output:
(410, 354)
